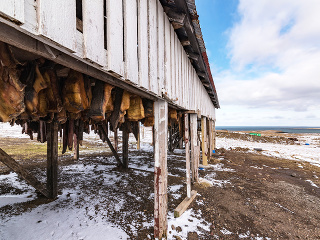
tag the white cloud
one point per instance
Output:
(275, 54)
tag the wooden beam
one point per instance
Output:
(76, 150)
(204, 140)
(195, 149)
(214, 133)
(20, 38)
(125, 146)
(184, 204)
(52, 159)
(115, 140)
(23, 173)
(176, 17)
(160, 169)
(138, 140)
(210, 137)
(187, 146)
(193, 56)
(104, 131)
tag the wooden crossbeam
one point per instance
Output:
(23, 173)
(115, 154)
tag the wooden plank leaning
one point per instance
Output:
(26, 175)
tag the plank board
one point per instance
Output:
(143, 43)
(194, 147)
(173, 66)
(13, 9)
(161, 37)
(153, 45)
(93, 31)
(130, 40)
(184, 204)
(30, 18)
(58, 24)
(160, 168)
(167, 57)
(115, 36)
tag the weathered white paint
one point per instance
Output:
(93, 31)
(115, 36)
(195, 149)
(167, 57)
(12, 9)
(154, 61)
(187, 146)
(160, 168)
(153, 45)
(57, 21)
(143, 43)
(30, 21)
(130, 40)
(173, 64)
(160, 33)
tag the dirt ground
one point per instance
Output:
(262, 196)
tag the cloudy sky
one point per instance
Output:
(265, 60)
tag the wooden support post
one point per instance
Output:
(210, 140)
(204, 140)
(214, 133)
(125, 147)
(138, 140)
(115, 154)
(187, 146)
(52, 159)
(75, 147)
(115, 139)
(160, 168)
(195, 149)
(23, 173)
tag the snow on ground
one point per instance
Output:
(300, 152)
(79, 213)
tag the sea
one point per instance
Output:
(283, 129)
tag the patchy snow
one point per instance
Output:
(10, 199)
(300, 152)
(189, 222)
(312, 183)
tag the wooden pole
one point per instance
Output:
(138, 140)
(23, 173)
(75, 147)
(210, 140)
(204, 140)
(115, 154)
(187, 145)
(214, 134)
(160, 168)
(115, 139)
(52, 159)
(195, 149)
(125, 147)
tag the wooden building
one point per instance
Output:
(70, 64)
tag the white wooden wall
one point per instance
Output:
(142, 46)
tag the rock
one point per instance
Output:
(178, 229)
(173, 227)
(177, 237)
(192, 236)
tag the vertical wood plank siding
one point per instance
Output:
(142, 46)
